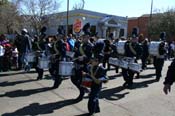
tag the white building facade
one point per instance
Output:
(104, 24)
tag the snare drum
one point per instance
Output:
(43, 63)
(123, 64)
(121, 47)
(135, 67)
(129, 60)
(86, 82)
(66, 68)
(114, 61)
(154, 48)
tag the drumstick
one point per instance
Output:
(77, 58)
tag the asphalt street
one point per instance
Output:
(22, 95)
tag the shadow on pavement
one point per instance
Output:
(112, 77)
(113, 94)
(6, 83)
(143, 84)
(22, 93)
(49, 77)
(37, 109)
(147, 76)
(15, 73)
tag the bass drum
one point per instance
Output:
(66, 68)
(154, 48)
(121, 47)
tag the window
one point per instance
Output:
(122, 31)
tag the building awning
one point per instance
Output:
(110, 21)
(113, 25)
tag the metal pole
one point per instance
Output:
(151, 10)
(150, 20)
(67, 23)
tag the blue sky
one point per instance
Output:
(130, 8)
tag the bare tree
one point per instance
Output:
(9, 17)
(163, 22)
(79, 5)
(36, 13)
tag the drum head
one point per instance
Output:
(121, 47)
(66, 68)
(154, 48)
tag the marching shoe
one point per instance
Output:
(137, 77)
(129, 86)
(125, 84)
(39, 78)
(54, 87)
(157, 79)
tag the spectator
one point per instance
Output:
(2, 51)
(24, 45)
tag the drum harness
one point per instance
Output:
(78, 66)
(132, 49)
(91, 72)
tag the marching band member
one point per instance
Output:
(159, 60)
(145, 53)
(39, 47)
(106, 51)
(83, 53)
(143, 42)
(98, 47)
(59, 53)
(131, 50)
(95, 72)
(114, 52)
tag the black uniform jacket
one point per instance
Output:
(170, 77)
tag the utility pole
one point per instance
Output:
(67, 19)
(150, 20)
(151, 10)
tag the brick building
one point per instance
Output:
(140, 23)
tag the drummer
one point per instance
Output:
(83, 53)
(114, 52)
(95, 72)
(39, 48)
(58, 54)
(132, 51)
(159, 60)
(106, 51)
